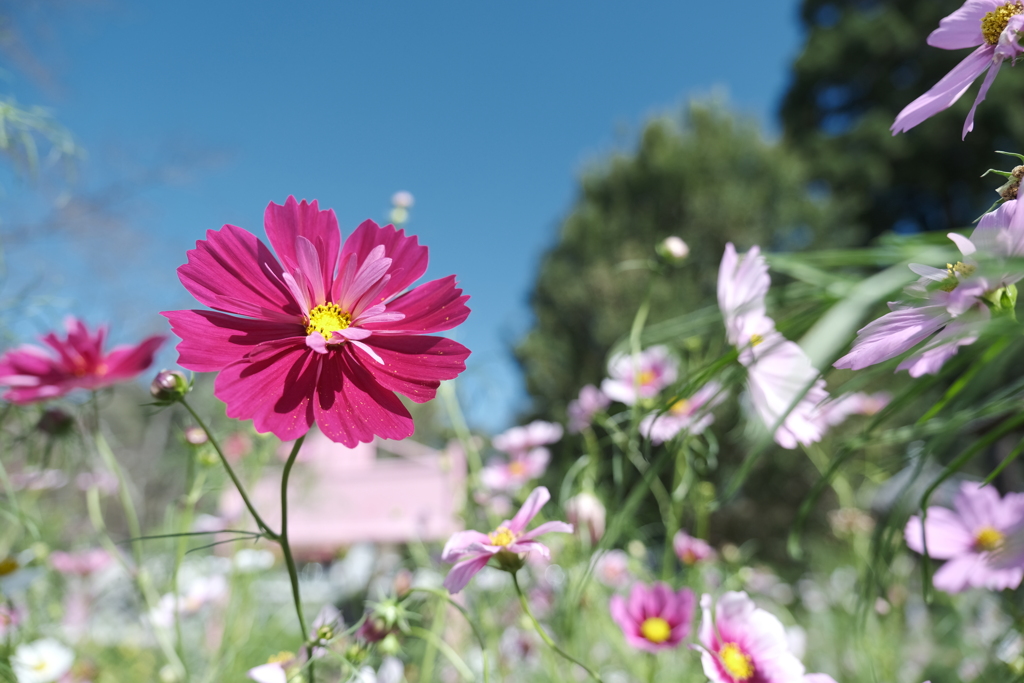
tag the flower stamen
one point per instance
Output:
(502, 536)
(988, 539)
(655, 629)
(735, 662)
(328, 319)
(994, 23)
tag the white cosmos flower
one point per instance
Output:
(42, 661)
(781, 381)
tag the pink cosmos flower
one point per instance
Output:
(631, 379)
(472, 550)
(950, 304)
(969, 537)
(691, 550)
(991, 26)
(32, 373)
(783, 386)
(582, 410)
(523, 439)
(511, 474)
(693, 414)
(745, 644)
(324, 335)
(655, 617)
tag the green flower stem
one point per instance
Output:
(543, 634)
(184, 524)
(263, 526)
(444, 648)
(286, 550)
(443, 595)
(141, 578)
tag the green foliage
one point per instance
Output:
(863, 62)
(710, 178)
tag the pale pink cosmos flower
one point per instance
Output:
(969, 538)
(783, 386)
(472, 550)
(326, 332)
(691, 550)
(655, 617)
(40, 480)
(692, 414)
(523, 439)
(582, 409)
(631, 379)
(834, 411)
(275, 670)
(31, 373)
(80, 563)
(742, 643)
(612, 568)
(947, 307)
(991, 26)
(512, 474)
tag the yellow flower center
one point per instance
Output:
(680, 407)
(735, 662)
(9, 566)
(952, 271)
(516, 468)
(994, 23)
(281, 657)
(327, 319)
(988, 539)
(39, 666)
(655, 629)
(756, 339)
(645, 378)
(502, 536)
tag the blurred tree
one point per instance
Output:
(863, 62)
(710, 179)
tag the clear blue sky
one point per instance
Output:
(198, 113)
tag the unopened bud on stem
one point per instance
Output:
(169, 386)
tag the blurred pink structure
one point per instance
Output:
(339, 496)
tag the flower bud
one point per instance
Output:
(169, 386)
(196, 436)
(390, 645)
(586, 512)
(55, 422)
(402, 200)
(673, 249)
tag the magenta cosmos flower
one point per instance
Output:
(324, 335)
(472, 550)
(32, 373)
(970, 537)
(655, 617)
(745, 644)
(991, 26)
(631, 379)
(953, 304)
(692, 414)
(783, 385)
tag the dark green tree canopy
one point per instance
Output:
(863, 62)
(709, 178)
